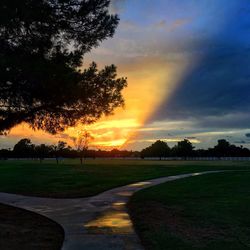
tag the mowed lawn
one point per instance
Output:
(69, 179)
(204, 212)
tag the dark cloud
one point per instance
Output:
(240, 142)
(219, 86)
(248, 135)
(237, 121)
(216, 92)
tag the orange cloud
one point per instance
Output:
(151, 80)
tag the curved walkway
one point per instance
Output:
(96, 223)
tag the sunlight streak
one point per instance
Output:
(151, 81)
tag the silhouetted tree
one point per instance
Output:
(81, 143)
(42, 44)
(115, 152)
(183, 149)
(24, 148)
(223, 148)
(158, 149)
(42, 151)
(5, 154)
(58, 149)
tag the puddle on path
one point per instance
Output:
(111, 222)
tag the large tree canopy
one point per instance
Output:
(158, 149)
(42, 44)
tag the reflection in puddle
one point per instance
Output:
(140, 184)
(111, 222)
(195, 174)
(119, 205)
(122, 203)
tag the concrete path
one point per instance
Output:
(100, 222)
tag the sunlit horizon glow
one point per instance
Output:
(148, 86)
(187, 72)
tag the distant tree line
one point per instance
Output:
(186, 149)
(26, 149)
(159, 149)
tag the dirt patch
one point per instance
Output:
(21, 229)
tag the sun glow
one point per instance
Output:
(114, 143)
(149, 85)
(150, 81)
(169, 60)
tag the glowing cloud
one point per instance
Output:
(151, 80)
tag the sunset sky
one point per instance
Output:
(188, 70)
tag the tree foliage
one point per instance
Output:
(157, 149)
(223, 148)
(42, 45)
(183, 148)
(25, 148)
(82, 142)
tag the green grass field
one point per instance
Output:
(69, 179)
(204, 212)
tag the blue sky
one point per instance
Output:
(212, 100)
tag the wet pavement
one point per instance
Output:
(96, 223)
